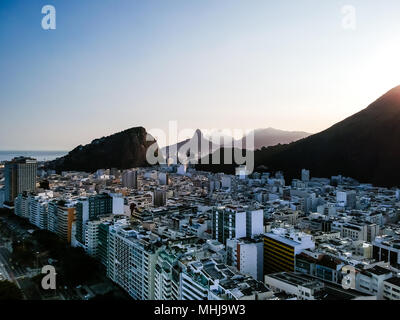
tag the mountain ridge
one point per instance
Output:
(362, 146)
(123, 150)
(266, 137)
(263, 137)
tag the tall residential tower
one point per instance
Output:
(20, 176)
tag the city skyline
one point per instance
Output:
(207, 158)
(108, 67)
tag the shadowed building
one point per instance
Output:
(20, 176)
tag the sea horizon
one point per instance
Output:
(40, 155)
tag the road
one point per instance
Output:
(3, 270)
(7, 269)
(21, 276)
(13, 270)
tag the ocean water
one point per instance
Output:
(38, 155)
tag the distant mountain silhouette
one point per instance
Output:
(197, 146)
(270, 137)
(262, 138)
(123, 150)
(364, 146)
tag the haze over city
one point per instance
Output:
(110, 66)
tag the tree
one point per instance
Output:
(77, 267)
(49, 241)
(5, 212)
(9, 291)
(44, 184)
(23, 253)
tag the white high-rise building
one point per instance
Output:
(246, 256)
(346, 199)
(39, 212)
(22, 205)
(229, 223)
(254, 223)
(92, 232)
(60, 218)
(341, 198)
(193, 286)
(233, 222)
(131, 262)
(38, 208)
(91, 237)
(210, 280)
(166, 277)
(117, 203)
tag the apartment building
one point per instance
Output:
(166, 277)
(132, 260)
(247, 256)
(20, 176)
(391, 289)
(281, 247)
(235, 222)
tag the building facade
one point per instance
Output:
(20, 175)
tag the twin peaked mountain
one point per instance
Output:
(363, 146)
(127, 149)
(262, 138)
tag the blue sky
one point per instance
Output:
(115, 64)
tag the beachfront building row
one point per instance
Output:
(72, 219)
(148, 267)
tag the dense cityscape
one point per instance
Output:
(170, 232)
(199, 159)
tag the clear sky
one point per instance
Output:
(115, 64)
